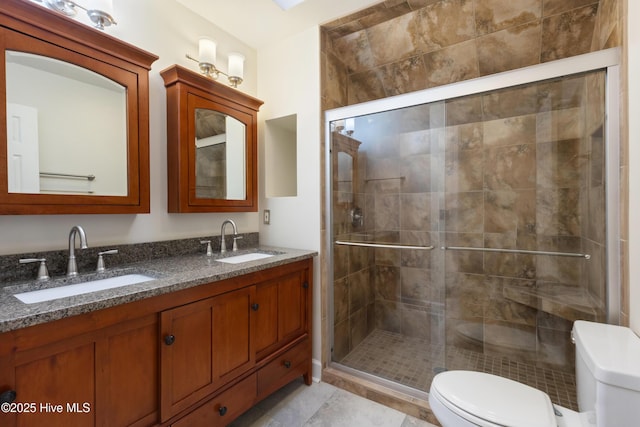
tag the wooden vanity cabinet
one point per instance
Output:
(239, 347)
(96, 378)
(282, 325)
(196, 357)
(205, 344)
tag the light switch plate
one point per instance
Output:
(267, 216)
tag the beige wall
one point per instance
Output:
(289, 82)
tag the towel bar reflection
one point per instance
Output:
(383, 245)
(517, 251)
(66, 175)
(402, 178)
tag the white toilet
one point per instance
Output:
(608, 388)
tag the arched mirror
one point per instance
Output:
(211, 144)
(66, 128)
(75, 101)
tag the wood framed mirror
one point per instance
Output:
(75, 102)
(211, 144)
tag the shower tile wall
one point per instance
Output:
(402, 46)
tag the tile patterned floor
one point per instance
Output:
(322, 405)
(413, 362)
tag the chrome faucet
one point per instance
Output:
(72, 267)
(223, 244)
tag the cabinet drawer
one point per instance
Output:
(223, 408)
(284, 368)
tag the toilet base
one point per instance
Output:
(569, 418)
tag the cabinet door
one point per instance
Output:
(232, 343)
(292, 292)
(265, 316)
(186, 357)
(282, 311)
(205, 344)
(103, 378)
(58, 381)
(127, 377)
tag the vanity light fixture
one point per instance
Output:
(345, 127)
(207, 59)
(349, 126)
(99, 12)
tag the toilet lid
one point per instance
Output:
(495, 399)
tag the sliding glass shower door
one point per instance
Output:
(469, 233)
(388, 300)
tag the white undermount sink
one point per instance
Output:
(244, 258)
(81, 288)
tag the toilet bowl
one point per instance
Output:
(608, 388)
(468, 399)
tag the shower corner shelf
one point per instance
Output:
(566, 302)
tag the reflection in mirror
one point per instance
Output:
(345, 177)
(66, 128)
(220, 156)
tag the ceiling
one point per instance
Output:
(259, 23)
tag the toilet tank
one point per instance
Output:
(607, 373)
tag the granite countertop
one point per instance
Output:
(170, 274)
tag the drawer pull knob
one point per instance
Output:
(222, 410)
(8, 396)
(255, 307)
(169, 339)
(287, 364)
(305, 285)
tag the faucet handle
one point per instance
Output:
(43, 272)
(101, 267)
(209, 249)
(235, 243)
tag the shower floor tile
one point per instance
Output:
(413, 362)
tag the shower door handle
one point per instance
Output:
(516, 251)
(383, 245)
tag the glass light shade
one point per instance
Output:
(207, 51)
(236, 65)
(103, 5)
(350, 125)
